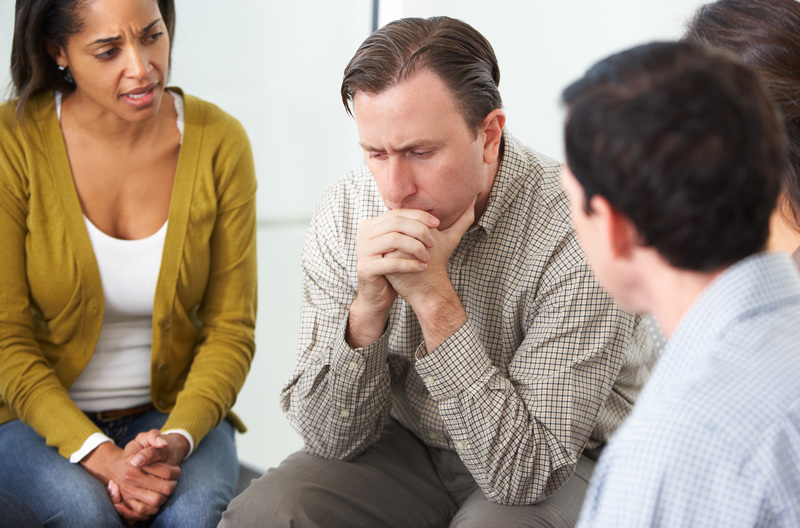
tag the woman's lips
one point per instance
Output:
(140, 96)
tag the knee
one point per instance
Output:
(15, 513)
(273, 501)
(84, 508)
(198, 506)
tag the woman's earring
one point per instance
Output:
(66, 74)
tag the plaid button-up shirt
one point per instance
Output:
(545, 365)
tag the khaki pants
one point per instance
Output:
(397, 482)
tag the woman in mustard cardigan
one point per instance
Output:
(127, 276)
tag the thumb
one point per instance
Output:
(464, 221)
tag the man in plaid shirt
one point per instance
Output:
(457, 361)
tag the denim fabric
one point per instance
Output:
(65, 495)
(15, 514)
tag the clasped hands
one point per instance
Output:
(142, 476)
(403, 253)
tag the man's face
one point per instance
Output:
(594, 232)
(420, 150)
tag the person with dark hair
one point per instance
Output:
(674, 159)
(765, 35)
(128, 276)
(458, 365)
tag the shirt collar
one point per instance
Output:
(514, 168)
(753, 284)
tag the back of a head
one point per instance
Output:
(452, 49)
(765, 35)
(685, 143)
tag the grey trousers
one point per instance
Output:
(397, 482)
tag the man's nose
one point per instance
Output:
(399, 184)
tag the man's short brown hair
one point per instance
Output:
(452, 49)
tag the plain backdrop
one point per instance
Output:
(277, 67)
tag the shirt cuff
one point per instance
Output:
(186, 435)
(455, 365)
(88, 446)
(358, 361)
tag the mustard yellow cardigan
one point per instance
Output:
(51, 297)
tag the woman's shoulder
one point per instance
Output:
(26, 126)
(7, 109)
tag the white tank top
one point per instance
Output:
(118, 375)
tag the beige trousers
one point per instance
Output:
(397, 482)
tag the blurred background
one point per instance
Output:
(277, 67)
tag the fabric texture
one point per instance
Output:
(398, 482)
(545, 365)
(51, 299)
(37, 474)
(714, 439)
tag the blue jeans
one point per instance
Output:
(14, 513)
(64, 494)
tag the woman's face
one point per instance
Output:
(120, 59)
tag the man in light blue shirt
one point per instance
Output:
(674, 159)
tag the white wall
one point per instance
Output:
(277, 67)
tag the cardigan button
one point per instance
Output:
(163, 367)
(164, 323)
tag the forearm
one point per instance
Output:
(216, 360)
(33, 393)
(364, 325)
(339, 398)
(511, 436)
(440, 315)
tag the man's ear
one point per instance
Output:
(491, 131)
(620, 236)
(56, 51)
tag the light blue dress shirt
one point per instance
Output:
(714, 439)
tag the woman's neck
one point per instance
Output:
(106, 127)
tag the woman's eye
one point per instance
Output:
(154, 37)
(106, 54)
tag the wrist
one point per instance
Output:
(179, 447)
(96, 462)
(365, 326)
(439, 317)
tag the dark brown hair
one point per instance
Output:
(684, 141)
(452, 49)
(36, 21)
(765, 35)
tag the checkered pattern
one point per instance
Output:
(715, 436)
(520, 389)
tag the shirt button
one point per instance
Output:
(352, 365)
(344, 413)
(460, 445)
(430, 380)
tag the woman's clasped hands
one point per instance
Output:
(141, 477)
